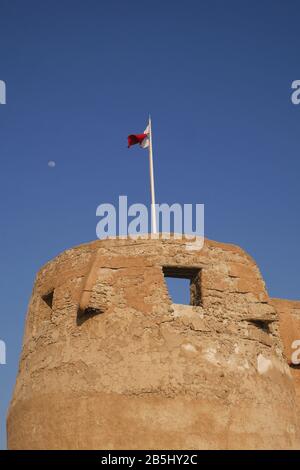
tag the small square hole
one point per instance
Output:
(48, 298)
(184, 284)
(262, 325)
(84, 315)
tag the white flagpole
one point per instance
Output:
(153, 210)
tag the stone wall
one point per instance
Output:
(289, 326)
(109, 362)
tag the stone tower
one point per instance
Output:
(109, 362)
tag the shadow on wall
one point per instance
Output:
(84, 315)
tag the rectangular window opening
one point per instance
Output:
(184, 284)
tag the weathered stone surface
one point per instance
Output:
(112, 363)
(289, 329)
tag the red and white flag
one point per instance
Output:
(142, 139)
(145, 140)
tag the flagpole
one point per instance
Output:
(153, 209)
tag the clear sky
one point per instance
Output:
(81, 75)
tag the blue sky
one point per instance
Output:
(81, 75)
